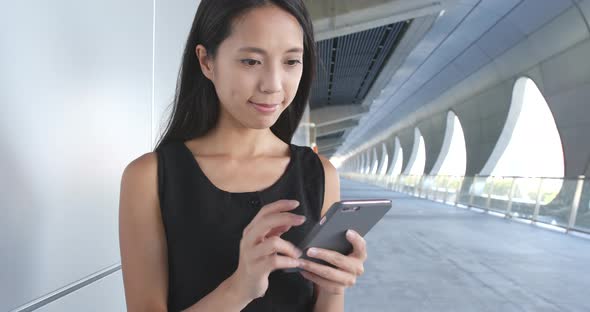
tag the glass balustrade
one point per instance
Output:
(561, 202)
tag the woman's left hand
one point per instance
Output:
(348, 268)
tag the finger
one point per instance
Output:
(359, 245)
(274, 207)
(277, 206)
(349, 264)
(273, 245)
(262, 227)
(329, 273)
(275, 262)
(323, 283)
(278, 231)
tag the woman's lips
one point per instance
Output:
(264, 108)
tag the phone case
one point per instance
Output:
(330, 232)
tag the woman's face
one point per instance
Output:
(260, 62)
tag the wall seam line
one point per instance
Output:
(66, 290)
(153, 74)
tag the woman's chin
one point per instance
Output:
(260, 123)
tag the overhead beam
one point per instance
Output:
(328, 153)
(336, 113)
(414, 34)
(335, 127)
(330, 142)
(338, 18)
(327, 150)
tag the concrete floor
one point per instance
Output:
(426, 256)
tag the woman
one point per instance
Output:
(209, 219)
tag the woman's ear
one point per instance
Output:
(205, 61)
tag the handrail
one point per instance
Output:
(549, 200)
(55, 295)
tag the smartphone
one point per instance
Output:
(330, 232)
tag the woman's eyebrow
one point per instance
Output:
(263, 52)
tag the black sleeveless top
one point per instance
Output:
(204, 224)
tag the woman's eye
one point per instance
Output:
(293, 62)
(250, 62)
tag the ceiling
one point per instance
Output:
(348, 65)
(468, 35)
(356, 41)
(381, 61)
(347, 68)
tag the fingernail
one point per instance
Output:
(298, 252)
(301, 219)
(350, 234)
(312, 252)
(294, 203)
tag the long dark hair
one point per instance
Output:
(196, 105)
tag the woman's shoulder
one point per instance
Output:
(326, 173)
(308, 153)
(142, 168)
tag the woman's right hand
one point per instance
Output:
(260, 244)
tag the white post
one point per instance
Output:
(538, 201)
(510, 196)
(458, 191)
(470, 192)
(490, 194)
(576, 203)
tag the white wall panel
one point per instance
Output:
(106, 294)
(173, 23)
(75, 92)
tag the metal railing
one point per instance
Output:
(561, 202)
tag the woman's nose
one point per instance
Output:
(271, 80)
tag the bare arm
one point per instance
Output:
(143, 246)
